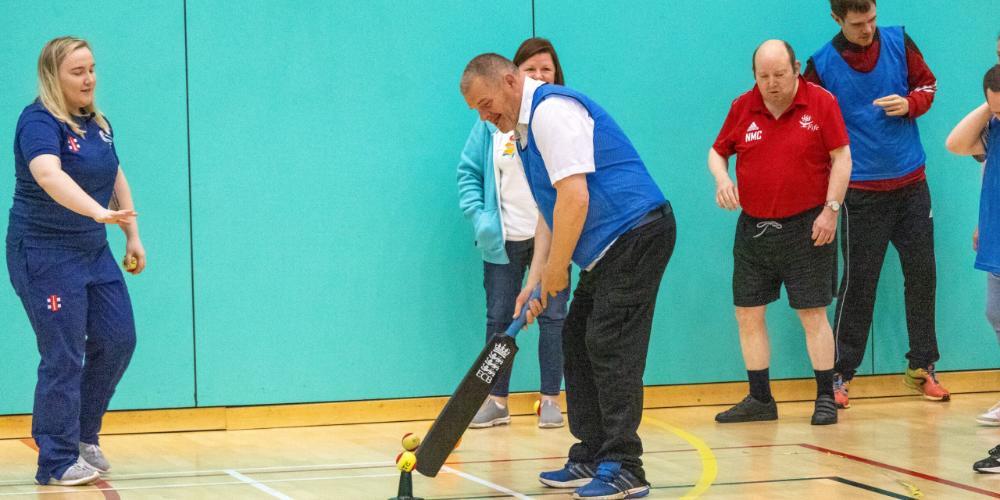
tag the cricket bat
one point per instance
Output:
(493, 361)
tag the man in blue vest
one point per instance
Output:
(994, 414)
(882, 84)
(970, 138)
(599, 207)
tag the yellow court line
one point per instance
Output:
(912, 488)
(709, 466)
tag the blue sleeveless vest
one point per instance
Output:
(988, 256)
(882, 147)
(621, 189)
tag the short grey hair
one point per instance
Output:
(491, 66)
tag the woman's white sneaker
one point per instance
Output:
(78, 474)
(91, 454)
(991, 417)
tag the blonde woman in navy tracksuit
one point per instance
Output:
(67, 174)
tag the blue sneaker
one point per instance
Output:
(612, 482)
(572, 475)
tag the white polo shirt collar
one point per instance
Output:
(527, 97)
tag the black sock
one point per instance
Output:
(760, 385)
(824, 382)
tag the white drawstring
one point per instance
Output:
(766, 224)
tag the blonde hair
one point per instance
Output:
(50, 92)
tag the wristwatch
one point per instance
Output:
(834, 205)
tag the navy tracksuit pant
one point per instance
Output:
(80, 310)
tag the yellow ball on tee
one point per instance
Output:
(410, 441)
(406, 461)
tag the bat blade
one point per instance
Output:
(494, 360)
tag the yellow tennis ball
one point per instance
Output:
(131, 264)
(410, 441)
(406, 461)
(538, 407)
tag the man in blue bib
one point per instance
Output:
(598, 206)
(882, 84)
(970, 138)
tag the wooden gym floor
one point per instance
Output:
(894, 447)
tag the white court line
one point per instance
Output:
(486, 483)
(217, 472)
(189, 485)
(279, 468)
(256, 484)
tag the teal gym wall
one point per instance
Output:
(294, 171)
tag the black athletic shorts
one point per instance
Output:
(767, 253)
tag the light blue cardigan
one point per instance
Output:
(477, 192)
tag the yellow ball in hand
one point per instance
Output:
(406, 461)
(131, 264)
(410, 441)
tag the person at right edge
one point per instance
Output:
(882, 84)
(979, 134)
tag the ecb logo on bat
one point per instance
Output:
(492, 364)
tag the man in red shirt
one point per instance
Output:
(792, 167)
(882, 84)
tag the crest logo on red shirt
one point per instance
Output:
(806, 122)
(54, 303)
(74, 145)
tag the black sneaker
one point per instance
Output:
(990, 464)
(749, 410)
(826, 410)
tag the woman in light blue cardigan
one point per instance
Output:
(495, 197)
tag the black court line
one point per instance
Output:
(902, 470)
(187, 115)
(564, 491)
(532, 18)
(869, 487)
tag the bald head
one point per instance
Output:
(776, 72)
(773, 52)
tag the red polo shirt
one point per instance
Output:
(782, 165)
